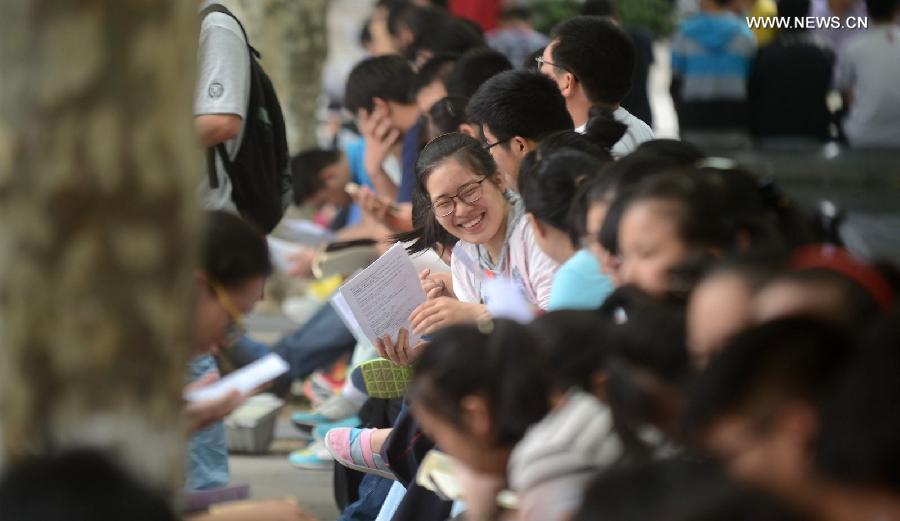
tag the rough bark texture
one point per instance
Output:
(292, 37)
(98, 171)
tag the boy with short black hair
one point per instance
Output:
(515, 110)
(591, 59)
(379, 93)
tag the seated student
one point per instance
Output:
(550, 466)
(465, 197)
(594, 198)
(229, 281)
(591, 60)
(711, 56)
(789, 82)
(679, 489)
(515, 109)
(379, 94)
(758, 404)
(469, 201)
(868, 75)
(516, 36)
(857, 453)
(473, 69)
(431, 81)
(637, 101)
(476, 395)
(547, 189)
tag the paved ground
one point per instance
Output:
(272, 476)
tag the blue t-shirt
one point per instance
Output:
(207, 461)
(355, 150)
(579, 284)
(409, 155)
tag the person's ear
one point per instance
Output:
(519, 145)
(567, 84)
(468, 129)
(380, 103)
(477, 417)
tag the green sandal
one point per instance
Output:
(381, 378)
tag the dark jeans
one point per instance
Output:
(315, 345)
(372, 492)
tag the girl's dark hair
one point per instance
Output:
(649, 159)
(703, 217)
(675, 150)
(504, 367)
(234, 250)
(574, 347)
(547, 188)
(602, 128)
(647, 337)
(571, 140)
(462, 148)
(447, 114)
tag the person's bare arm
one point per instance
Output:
(213, 129)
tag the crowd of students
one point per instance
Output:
(701, 348)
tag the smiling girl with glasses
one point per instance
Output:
(460, 189)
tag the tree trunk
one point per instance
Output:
(98, 173)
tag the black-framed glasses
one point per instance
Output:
(541, 61)
(468, 193)
(487, 146)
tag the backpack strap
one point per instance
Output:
(223, 152)
(219, 8)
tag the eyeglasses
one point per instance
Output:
(468, 193)
(487, 146)
(541, 61)
(236, 328)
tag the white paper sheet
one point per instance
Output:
(244, 379)
(346, 314)
(382, 296)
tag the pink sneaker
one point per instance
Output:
(352, 448)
